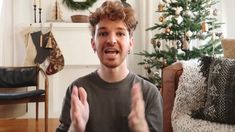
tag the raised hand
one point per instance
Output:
(137, 121)
(79, 111)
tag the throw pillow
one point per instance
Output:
(228, 46)
(220, 95)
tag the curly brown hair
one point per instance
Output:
(113, 10)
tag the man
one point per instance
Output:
(112, 99)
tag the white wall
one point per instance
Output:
(228, 17)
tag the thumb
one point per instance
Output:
(136, 90)
(82, 95)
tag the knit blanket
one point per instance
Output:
(189, 97)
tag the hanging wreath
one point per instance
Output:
(79, 5)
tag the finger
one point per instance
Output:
(136, 90)
(82, 95)
(140, 108)
(74, 99)
(75, 91)
(136, 94)
(130, 119)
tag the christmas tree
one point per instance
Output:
(180, 23)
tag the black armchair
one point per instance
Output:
(18, 77)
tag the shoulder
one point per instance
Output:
(152, 97)
(83, 81)
(146, 85)
(86, 79)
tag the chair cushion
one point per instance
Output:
(11, 77)
(220, 96)
(14, 96)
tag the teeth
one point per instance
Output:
(111, 51)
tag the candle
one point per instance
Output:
(40, 4)
(34, 2)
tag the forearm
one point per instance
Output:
(145, 127)
(72, 129)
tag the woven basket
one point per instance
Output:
(79, 18)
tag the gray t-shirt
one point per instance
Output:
(109, 104)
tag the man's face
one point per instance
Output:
(112, 42)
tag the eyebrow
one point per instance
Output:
(119, 28)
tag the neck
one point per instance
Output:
(113, 74)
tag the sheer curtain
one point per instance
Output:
(146, 15)
(6, 32)
(1, 32)
(7, 54)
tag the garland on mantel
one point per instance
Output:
(79, 5)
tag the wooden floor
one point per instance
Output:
(27, 125)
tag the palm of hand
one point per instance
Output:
(79, 109)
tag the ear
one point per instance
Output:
(93, 43)
(131, 43)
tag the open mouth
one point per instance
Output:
(111, 51)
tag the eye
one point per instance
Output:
(120, 34)
(103, 33)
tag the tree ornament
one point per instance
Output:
(185, 45)
(202, 35)
(178, 10)
(170, 25)
(213, 36)
(188, 13)
(158, 44)
(71, 4)
(160, 7)
(146, 67)
(161, 19)
(179, 19)
(167, 30)
(149, 70)
(215, 12)
(164, 62)
(175, 59)
(153, 42)
(189, 33)
(204, 26)
(178, 44)
(219, 34)
(150, 74)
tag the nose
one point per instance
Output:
(112, 39)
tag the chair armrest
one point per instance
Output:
(171, 76)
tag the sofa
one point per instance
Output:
(181, 96)
(170, 78)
